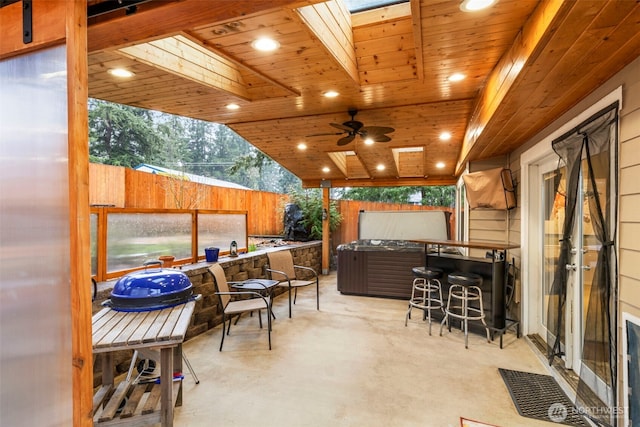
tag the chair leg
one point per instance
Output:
(295, 295)
(223, 331)
(289, 302)
(269, 325)
(317, 295)
(260, 317)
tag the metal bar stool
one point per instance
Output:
(465, 288)
(426, 292)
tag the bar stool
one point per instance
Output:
(464, 289)
(426, 292)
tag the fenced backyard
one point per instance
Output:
(151, 214)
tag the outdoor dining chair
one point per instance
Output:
(237, 302)
(282, 268)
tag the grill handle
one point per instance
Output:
(157, 263)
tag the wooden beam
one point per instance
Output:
(330, 24)
(409, 182)
(534, 35)
(326, 231)
(174, 17)
(79, 211)
(181, 56)
(416, 21)
(48, 27)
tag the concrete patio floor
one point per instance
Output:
(353, 363)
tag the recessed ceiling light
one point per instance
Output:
(121, 72)
(232, 106)
(302, 146)
(325, 169)
(456, 77)
(475, 5)
(440, 165)
(380, 167)
(445, 136)
(369, 141)
(330, 94)
(265, 44)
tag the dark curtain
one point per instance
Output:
(593, 139)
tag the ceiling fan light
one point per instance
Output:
(475, 5)
(369, 141)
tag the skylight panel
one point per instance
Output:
(355, 6)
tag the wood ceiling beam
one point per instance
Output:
(330, 24)
(173, 17)
(416, 22)
(390, 182)
(527, 46)
(181, 56)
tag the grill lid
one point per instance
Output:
(150, 289)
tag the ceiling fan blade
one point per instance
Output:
(342, 127)
(323, 134)
(380, 138)
(376, 130)
(347, 139)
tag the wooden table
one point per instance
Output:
(159, 329)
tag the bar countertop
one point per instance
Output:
(474, 244)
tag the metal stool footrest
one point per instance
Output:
(465, 288)
(426, 294)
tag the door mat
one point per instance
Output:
(540, 397)
(464, 422)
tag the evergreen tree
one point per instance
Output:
(121, 135)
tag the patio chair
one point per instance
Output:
(238, 302)
(281, 268)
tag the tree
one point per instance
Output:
(122, 136)
(310, 203)
(428, 196)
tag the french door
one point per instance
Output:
(580, 266)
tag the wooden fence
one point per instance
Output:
(123, 187)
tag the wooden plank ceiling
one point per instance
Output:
(525, 62)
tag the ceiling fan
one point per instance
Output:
(353, 127)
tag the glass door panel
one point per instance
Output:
(553, 208)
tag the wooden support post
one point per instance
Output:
(326, 232)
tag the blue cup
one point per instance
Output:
(211, 254)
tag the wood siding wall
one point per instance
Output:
(628, 191)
